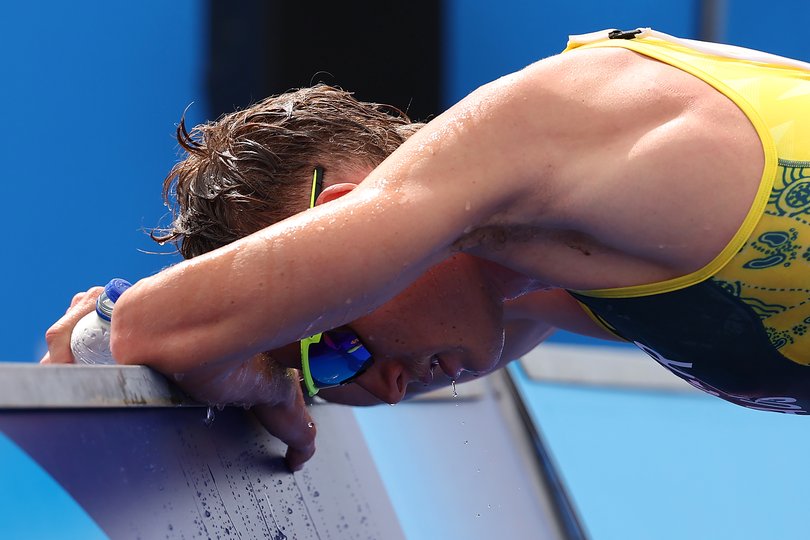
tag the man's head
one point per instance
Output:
(253, 167)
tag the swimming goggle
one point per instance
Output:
(334, 357)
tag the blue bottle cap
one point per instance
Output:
(115, 288)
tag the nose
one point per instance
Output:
(387, 381)
(451, 366)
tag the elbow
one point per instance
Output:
(145, 331)
(132, 330)
(125, 339)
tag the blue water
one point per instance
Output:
(33, 505)
(642, 465)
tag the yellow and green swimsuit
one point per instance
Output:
(739, 328)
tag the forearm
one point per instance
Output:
(271, 288)
(339, 261)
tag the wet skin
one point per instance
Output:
(452, 316)
(537, 178)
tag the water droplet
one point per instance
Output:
(311, 425)
(453, 382)
(207, 513)
(209, 416)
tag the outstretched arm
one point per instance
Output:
(337, 262)
(272, 392)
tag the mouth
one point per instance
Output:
(447, 370)
(427, 378)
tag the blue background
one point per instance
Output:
(91, 93)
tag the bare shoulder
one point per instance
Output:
(618, 165)
(671, 165)
(635, 171)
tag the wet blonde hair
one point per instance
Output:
(252, 168)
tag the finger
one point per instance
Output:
(58, 335)
(293, 425)
(78, 297)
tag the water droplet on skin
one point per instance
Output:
(453, 382)
(209, 416)
(311, 425)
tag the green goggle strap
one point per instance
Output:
(309, 382)
(317, 186)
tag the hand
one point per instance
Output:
(272, 392)
(58, 335)
(292, 424)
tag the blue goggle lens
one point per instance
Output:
(337, 358)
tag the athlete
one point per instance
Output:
(637, 187)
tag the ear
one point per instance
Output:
(335, 191)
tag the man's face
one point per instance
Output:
(449, 320)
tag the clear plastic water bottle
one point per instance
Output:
(90, 340)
